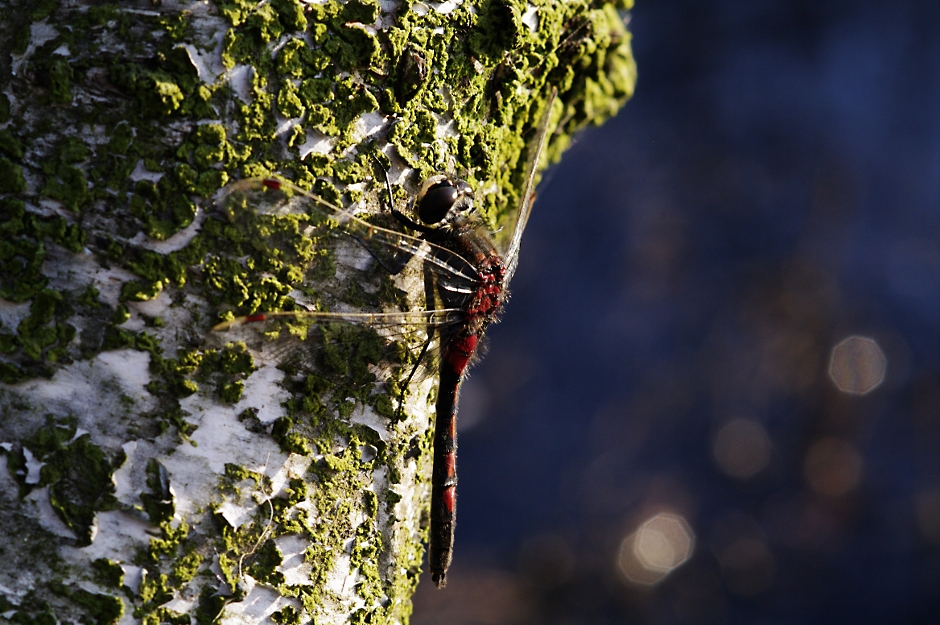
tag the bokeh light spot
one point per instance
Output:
(660, 545)
(832, 467)
(858, 365)
(742, 448)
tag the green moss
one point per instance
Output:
(11, 145)
(177, 378)
(291, 14)
(185, 567)
(102, 609)
(231, 391)
(12, 212)
(235, 473)
(288, 100)
(121, 138)
(57, 78)
(234, 49)
(165, 208)
(177, 25)
(8, 343)
(78, 474)
(50, 439)
(42, 8)
(361, 11)
(89, 297)
(42, 336)
(165, 91)
(209, 607)
(135, 291)
(171, 541)
(69, 186)
(21, 276)
(72, 150)
(153, 591)
(293, 59)
(107, 573)
(11, 177)
(290, 442)
(165, 616)
(354, 47)
(287, 615)
(121, 315)
(498, 29)
(96, 608)
(264, 564)
(79, 480)
(211, 145)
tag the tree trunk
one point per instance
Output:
(153, 472)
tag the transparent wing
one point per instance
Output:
(433, 318)
(398, 348)
(512, 252)
(391, 325)
(274, 196)
(283, 334)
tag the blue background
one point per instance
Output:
(772, 188)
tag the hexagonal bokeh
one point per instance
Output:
(858, 365)
(660, 545)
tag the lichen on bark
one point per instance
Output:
(151, 470)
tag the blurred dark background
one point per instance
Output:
(680, 418)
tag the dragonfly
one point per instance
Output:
(469, 274)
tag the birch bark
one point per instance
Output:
(148, 473)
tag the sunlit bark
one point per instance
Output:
(150, 471)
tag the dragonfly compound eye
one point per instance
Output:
(437, 201)
(443, 197)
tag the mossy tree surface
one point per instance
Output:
(152, 472)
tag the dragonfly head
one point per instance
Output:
(442, 198)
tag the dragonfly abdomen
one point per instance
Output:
(444, 474)
(460, 351)
(481, 309)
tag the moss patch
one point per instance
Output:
(77, 473)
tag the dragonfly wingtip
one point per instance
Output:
(225, 325)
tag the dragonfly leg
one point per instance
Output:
(414, 369)
(390, 205)
(405, 221)
(388, 186)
